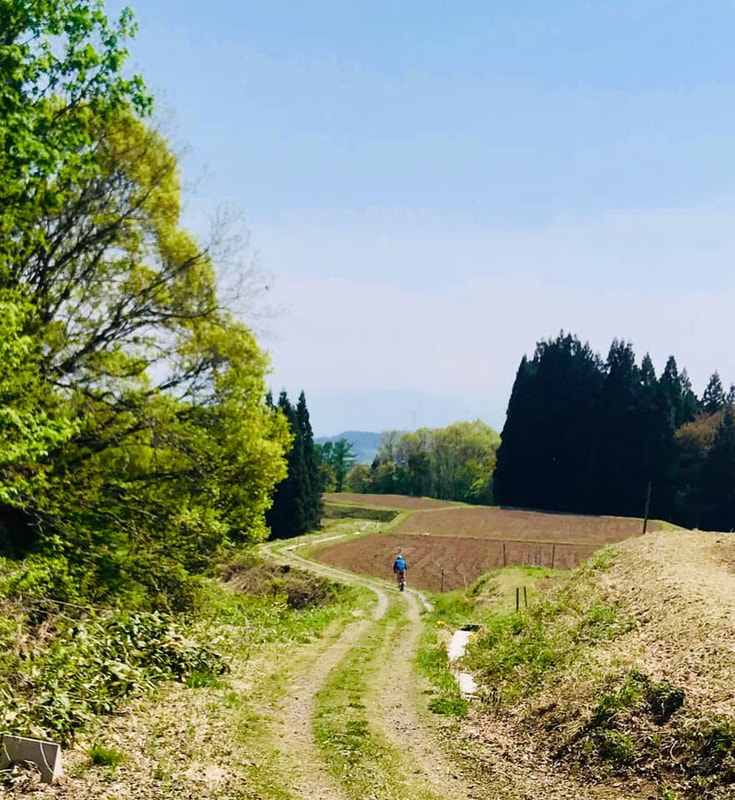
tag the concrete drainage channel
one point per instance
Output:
(455, 650)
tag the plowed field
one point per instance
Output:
(463, 542)
(483, 522)
(397, 501)
(461, 559)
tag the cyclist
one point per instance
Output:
(399, 568)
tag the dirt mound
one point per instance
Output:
(626, 674)
(399, 501)
(301, 589)
(462, 560)
(506, 524)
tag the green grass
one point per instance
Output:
(105, 756)
(355, 753)
(433, 662)
(348, 511)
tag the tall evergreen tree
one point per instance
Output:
(672, 396)
(549, 439)
(690, 404)
(718, 477)
(713, 398)
(312, 481)
(621, 484)
(296, 505)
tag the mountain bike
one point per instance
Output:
(401, 580)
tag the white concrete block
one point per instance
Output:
(45, 755)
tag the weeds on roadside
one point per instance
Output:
(433, 661)
(105, 756)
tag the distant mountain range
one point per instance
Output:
(364, 443)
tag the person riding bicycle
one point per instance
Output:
(399, 568)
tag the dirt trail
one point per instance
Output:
(393, 707)
(393, 698)
(309, 776)
(295, 714)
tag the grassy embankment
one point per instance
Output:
(196, 690)
(602, 677)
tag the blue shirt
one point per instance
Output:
(399, 565)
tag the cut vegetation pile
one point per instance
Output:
(623, 676)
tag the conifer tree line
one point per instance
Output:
(586, 434)
(297, 502)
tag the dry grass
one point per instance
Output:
(597, 711)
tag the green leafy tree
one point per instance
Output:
(61, 64)
(360, 479)
(452, 463)
(135, 441)
(341, 459)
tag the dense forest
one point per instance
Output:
(587, 434)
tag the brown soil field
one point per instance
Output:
(483, 522)
(398, 501)
(461, 559)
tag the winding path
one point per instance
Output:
(392, 698)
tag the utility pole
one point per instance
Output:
(648, 507)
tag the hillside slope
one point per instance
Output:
(623, 677)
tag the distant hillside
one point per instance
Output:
(364, 443)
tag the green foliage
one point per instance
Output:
(89, 665)
(339, 511)
(134, 441)
(516, 650)
(297, 504)
(339, 457)
(105, 756)
(452, 463)
(433, 661)
(568, 406)
(62, 70)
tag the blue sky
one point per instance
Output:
(434, 186)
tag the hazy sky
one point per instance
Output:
(437, 185)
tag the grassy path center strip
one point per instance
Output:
(354, 752)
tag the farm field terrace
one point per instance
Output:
(398, 502)
(450, 547)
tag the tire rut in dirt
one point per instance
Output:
(393, 708)
(311, 778)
